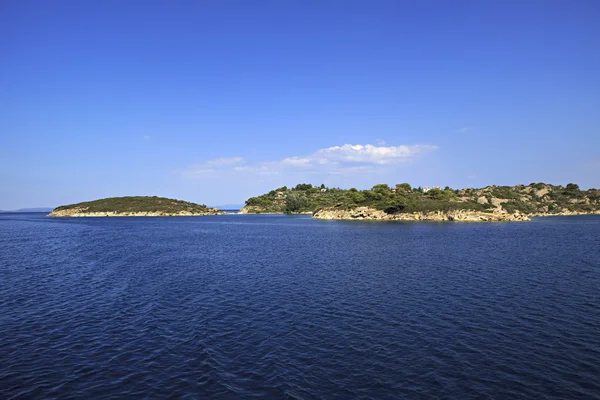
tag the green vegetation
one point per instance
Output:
(522, 207)
(136, 204)
(505, 192)
(403, 198)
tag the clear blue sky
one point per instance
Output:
(216, 101)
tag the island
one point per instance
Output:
(134, 206)
(406, 203)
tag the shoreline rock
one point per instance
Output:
(82, 213)
(370, 214)
(565, 213)
(255, 210)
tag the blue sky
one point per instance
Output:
(217, 101)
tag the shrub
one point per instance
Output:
(295, 202)
(303, 186)
(538, 185)
(514, 206)
(382, 188)
(504, 192)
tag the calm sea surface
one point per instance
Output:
(243, 306)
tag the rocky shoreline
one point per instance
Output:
(79, 212)
(356, 214)
(254, 210)
(370, 214)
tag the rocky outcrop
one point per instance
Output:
(542, 192)
(565, 213)
(498, 215)
(497, 202)
(255, 210)
(366, 213)
(81, 212)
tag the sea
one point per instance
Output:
(287, 307)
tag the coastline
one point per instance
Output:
(357, 214)
(370, 214)
(82, 214)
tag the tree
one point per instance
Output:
(303, 186)
(435, 193)
(356, 197)
(295, 202)
(572, 187)
(322, 186)
(258, 201)
(381, 188)
(438, 194)
(404, 186)
(372, 195)
(396, 206)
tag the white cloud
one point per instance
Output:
(297, 161)
(221, 162)
(336, 160)
(263, 168)
(372, 154)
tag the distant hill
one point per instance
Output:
(28, 210)
(229, 206)
(133, 206)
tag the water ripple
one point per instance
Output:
(288, 307)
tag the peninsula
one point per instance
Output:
(134, 206)
(405, 203)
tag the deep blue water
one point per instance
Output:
(243, 306)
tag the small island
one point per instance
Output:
(134, 206)
(406, 203)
